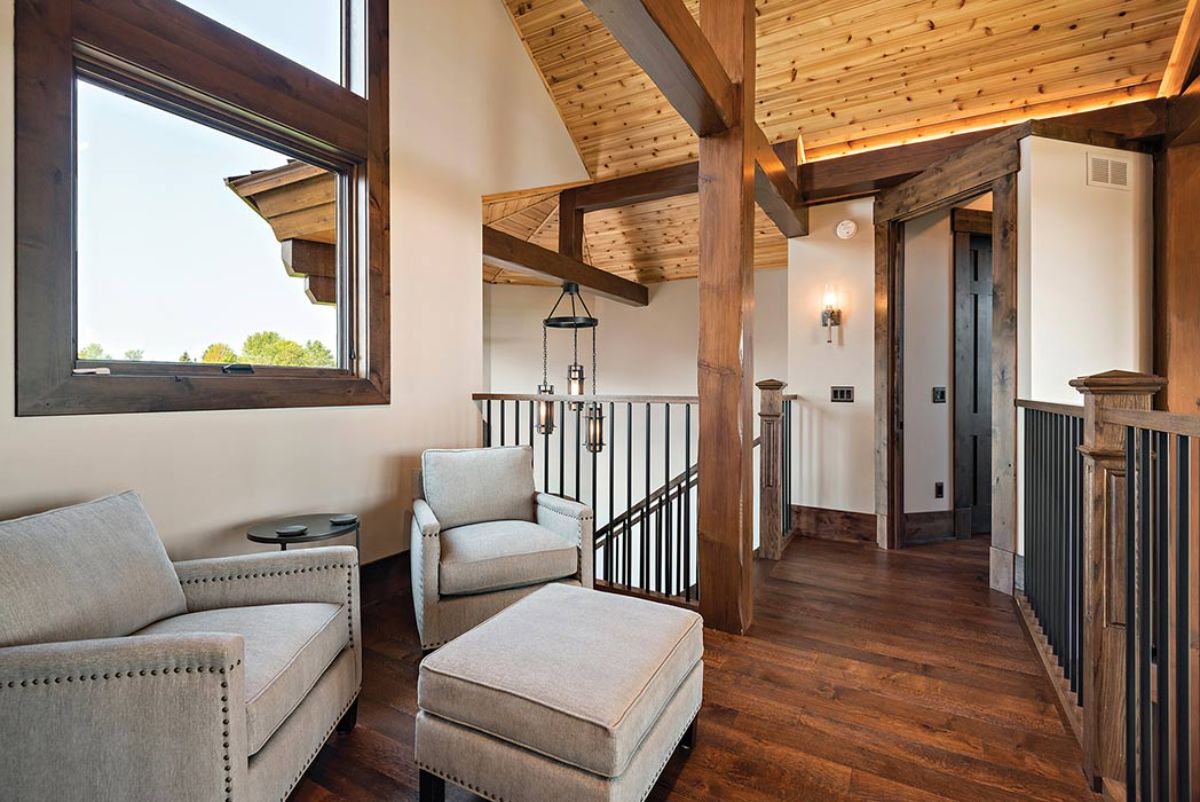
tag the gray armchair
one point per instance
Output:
(483, 538)
(126, 677)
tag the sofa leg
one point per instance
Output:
(689, 736)
(433, 788)
(349, 719)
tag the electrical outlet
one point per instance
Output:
(939, 489)
(939, 395)
(841, 395)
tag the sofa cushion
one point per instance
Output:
(93, 570)
(472, 485)
(288, 648)
(480, 558)
(577, 675)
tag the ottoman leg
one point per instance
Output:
(349, 719)
(689, 736)
(433, 788)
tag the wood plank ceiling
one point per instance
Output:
(844, 75)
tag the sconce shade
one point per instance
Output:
(545, 408)
(575, 384)
(594, 431)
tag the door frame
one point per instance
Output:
(989, 165)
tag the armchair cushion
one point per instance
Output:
(94, 570)
(288, 647)
(473, 485)
(484, 557)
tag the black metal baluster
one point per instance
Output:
(562, 449)
(1132, 481)
(545, 458)
(628, 494)
(578, 461)
(487, 424)
(687, 503)
(612, 488)
(502, 422)
(667, 508)
(1162, 614)
(1183, 595)
(645, 561)
(1146, 746)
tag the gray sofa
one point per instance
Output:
(126, 677)
(483, 538)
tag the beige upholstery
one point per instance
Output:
(498, 555)
(506, 540)
(568, 694)
(226, 699)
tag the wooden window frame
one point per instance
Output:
(179, 60)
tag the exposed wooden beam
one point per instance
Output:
(302, 257)
(1183, 117)
(321, 290)
(1182, 62)
(513, 253)
(570, 225)
(668, 182)
(726, 348)
(665, 41)
(775, 187)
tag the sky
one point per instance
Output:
(170, 259)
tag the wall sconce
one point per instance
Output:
(831, 315)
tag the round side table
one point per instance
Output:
(319, 525)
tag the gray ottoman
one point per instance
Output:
(569, 694)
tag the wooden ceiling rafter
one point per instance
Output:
(1181, 66)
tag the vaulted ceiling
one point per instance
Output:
(844, 75)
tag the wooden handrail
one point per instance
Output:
(1074, 410)
(617, 399)
(1168, 422)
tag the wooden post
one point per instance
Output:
(1104, 566)
(771, 540)
(726, 349)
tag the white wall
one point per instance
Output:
(1084, 271)
(1084, 274)
(475, 119)
(649, 350)
(836, 442)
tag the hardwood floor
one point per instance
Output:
(868, 675)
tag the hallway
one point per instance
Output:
(868, 675)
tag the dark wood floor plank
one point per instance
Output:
(868, 675)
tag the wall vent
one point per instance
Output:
(1104, 171)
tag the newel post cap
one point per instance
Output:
(770, 384)
(1119, 382)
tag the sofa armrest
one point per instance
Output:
(142, 717)
(328, 574)
(425, 560)
(573, 521)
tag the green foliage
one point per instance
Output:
(185, 358)
(271, 348)
(93, 351)
(134, 354)
(219, 353)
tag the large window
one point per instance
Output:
(201, 205)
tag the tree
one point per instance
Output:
(271, 348)
(185, 358)
(316, 355)
(219, 353)
(134, 354)
(93, 352)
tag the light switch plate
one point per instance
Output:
(841, 394)
(939, 395)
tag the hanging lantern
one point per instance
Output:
(594, 432)
(575, 385)
(576, 380)
(545, 406)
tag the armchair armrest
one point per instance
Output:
(142, 717)
(328, 574)
(573, 521)
(425, 560)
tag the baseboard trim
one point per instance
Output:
(384, 579)
(1067, 701)
(934, 526)
(843, 526)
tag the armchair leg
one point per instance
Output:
(433, 788)
(689, 736)
(349, 719)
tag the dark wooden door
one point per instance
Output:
(973, 377)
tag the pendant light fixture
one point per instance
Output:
(545, 406)
(576, 378)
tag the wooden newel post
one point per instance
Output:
(1104, 566)
(770, 474)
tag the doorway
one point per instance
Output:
(972, 452)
